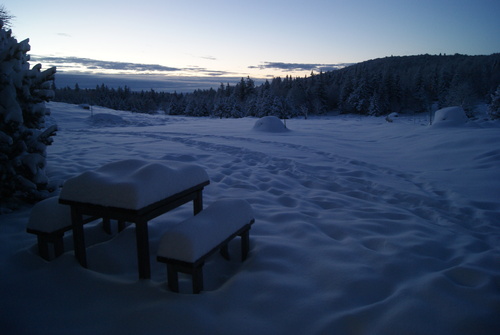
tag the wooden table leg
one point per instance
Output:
(198, 202)
(173, 278)
(78, 236)
(106, 225)
(142, 239)
(245, 243)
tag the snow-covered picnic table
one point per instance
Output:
(134, 191)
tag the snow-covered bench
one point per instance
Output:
(49, 220)
(185, 247)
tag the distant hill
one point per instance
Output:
(397, 84)
(375, 87)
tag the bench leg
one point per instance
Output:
(142, 241)
(198, 202)
(106, 225)
(43, 247)
(224, 251)
(78, 236)
(173, 279)
(245, 244)
(198, 279)
(58, 245)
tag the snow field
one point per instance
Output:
(362, 226)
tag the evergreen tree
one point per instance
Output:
(461, 94)
(264, 103)
(376, 107)
(494, 108)
(393, 92)
(250, 87)
(5, 17)
(23, 136)
(360, 97)
(346, 89)
(236, 110)
(239, 92)
(296, 98)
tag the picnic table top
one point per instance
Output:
(132, 184)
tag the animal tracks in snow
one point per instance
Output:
(290, 172)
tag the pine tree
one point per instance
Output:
(360, 97)
(494, 108)
(461, 94)
(346, 89)
(375, 107)
(5, 17)
(23, 139)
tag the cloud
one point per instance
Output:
(208, 57)
(202, 70)
(78, 64)
(142, 82)
(94, 64)
(288, 67)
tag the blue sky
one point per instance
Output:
(239, 38)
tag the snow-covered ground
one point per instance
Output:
(362, 227)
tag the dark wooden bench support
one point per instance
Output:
(142, 241)
(44, 239)
(78, 236)
(56, 238)
(49, 221)
(195, 269)
(198, 202)
(106, 225)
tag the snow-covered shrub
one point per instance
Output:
(450, 117)
(270, 124)
(494, 108)
(23, 136)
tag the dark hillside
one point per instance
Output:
(375, 87)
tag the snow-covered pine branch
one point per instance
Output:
(23, 139)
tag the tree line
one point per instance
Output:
(376, 87)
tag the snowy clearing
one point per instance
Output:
(361, 227)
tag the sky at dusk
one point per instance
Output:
(247, 38)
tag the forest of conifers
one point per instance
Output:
(375, 87)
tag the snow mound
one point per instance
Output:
(132, 183)
(391, 117)
(450, 117)
(270, 124)
(107, 120)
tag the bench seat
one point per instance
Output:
(49, 220)
(185, 247)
